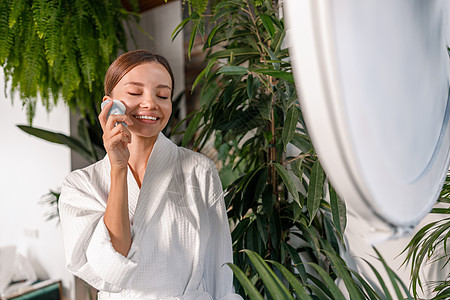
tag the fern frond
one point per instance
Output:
(30, 106)
(40, 14)
(17, 7)
(6, 36)
(86, 42)
(199, 6)
(52, 33)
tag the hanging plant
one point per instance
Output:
(61, 49)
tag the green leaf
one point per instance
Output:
(192, 39)
(209, 93)
(386, 294)
(319, 288)
(179, 28)
(329, 282)
(262, 228)
(277, 74)
(273, 58)
(211, 35)
(290, 124)
(315, 190)
(342, 272)
(297, 169)
(59, 138)
(330, 234)
(279, 38)
(240, 229)
(299, 290)
(302, 142)
(268, 199)
(235, 51)
(338, 210)
(249, 288)
(233, 70)
(203, 74)
(268, 25)
(261, 182)
(271, 282)
(265, 108)
(49, 136)
(290, 184)
(275, 232)
(369, 290)
(297, 261)
(268, 135)
(250, 86)
(394, 279)
(191, 129)
(198, 79)
(441, 211)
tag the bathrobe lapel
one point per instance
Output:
(158, 175)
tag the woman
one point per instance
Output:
(148, 221)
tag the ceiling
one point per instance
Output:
(149, 4)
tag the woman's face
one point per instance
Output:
(146, 90)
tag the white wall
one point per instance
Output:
(159, 23)
(359, 243)
(30, 167)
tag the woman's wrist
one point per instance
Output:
(119, 170)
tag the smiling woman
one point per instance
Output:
(148, 221)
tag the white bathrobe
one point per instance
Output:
(180, 234)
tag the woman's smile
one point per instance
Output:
(146, 118)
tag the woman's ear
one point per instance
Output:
(106, 98)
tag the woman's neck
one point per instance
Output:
(140, 149)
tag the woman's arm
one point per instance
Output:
(116, 139)
(116, 217)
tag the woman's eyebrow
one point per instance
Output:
(141, 84)
(163, 86)
(134, 83)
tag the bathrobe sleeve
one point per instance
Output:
(218, 275)
(88, 248)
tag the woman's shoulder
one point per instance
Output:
(196, 160)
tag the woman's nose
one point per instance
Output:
(149, 102)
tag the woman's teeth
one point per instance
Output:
(146, 118)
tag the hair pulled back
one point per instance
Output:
(127, 61)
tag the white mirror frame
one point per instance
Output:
(373, 78)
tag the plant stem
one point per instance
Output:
(273, 149)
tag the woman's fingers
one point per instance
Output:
(114, 120)
(117, 142)
(102, 117)
(116, 135)
(120, 129)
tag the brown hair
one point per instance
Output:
(127, 61)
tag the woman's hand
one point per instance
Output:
(115, 138)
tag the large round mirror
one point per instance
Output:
(373, 79)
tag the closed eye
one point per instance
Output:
(162, 97)
(134, 94)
